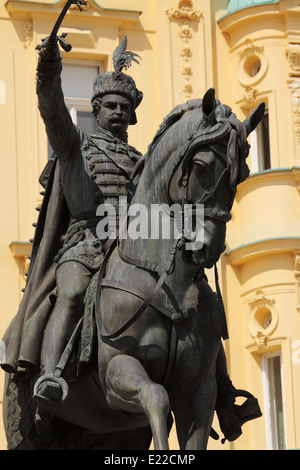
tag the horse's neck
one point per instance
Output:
(151, 192)
(150, 230)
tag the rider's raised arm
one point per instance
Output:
(59, 126)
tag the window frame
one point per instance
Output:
(75, 104)
(268, 392)
(257, 159)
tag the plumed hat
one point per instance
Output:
(118, 82)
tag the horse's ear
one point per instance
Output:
(254, 119)
(209, 102)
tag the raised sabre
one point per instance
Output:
(53, 38)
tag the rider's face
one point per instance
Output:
(114, 114)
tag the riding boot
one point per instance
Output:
(49, 393)
(231, 416)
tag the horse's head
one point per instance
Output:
(212, 165)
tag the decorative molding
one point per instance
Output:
(296, 174)
(21, 251)
(261, 340)
(186, 34)
(186, 15)
(249, 48)
(297, 277)
(273, 343)
(260, 300)
(186, 53)
(83, 7)
(263, 318)
(295, 88)
(293, 57)
(259, 248)
(28, 33)
(184, 11)
(297, 121)
(297, 265)
(250, 94)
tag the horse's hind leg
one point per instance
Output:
(129, 388)
(194, 413)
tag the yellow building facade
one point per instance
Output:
(249, 51)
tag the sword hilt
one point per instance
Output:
(54, 38)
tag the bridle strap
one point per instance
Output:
(216, 187)
(162, 278)
(218, 214)
(221, 306)
(211, 212)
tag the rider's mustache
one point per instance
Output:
(117, 118)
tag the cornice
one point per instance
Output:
(237, 19)
(29, 9)
(234, 19)
(262, 177)
(244, 253)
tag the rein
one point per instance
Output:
(148, 300)
(168, 269)
(222, 216)
(162, 278)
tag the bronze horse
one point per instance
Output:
(159, 325)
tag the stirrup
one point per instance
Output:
(51, 389)
(49, 392)
(248, 411)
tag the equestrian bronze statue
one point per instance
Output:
(118, 329)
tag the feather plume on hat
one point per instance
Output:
(122, 59)
(118, 82)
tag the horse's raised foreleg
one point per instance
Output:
(194, 414)
(129, 388)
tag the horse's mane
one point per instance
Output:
(189, 123)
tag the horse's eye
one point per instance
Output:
(199, 167)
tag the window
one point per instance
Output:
(77, 85)
(252, 65)
(260, 146)
(274, 402)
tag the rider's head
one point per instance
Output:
(116, 93)
(114, 101)
(113, 113)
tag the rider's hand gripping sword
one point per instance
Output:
(51, 40)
